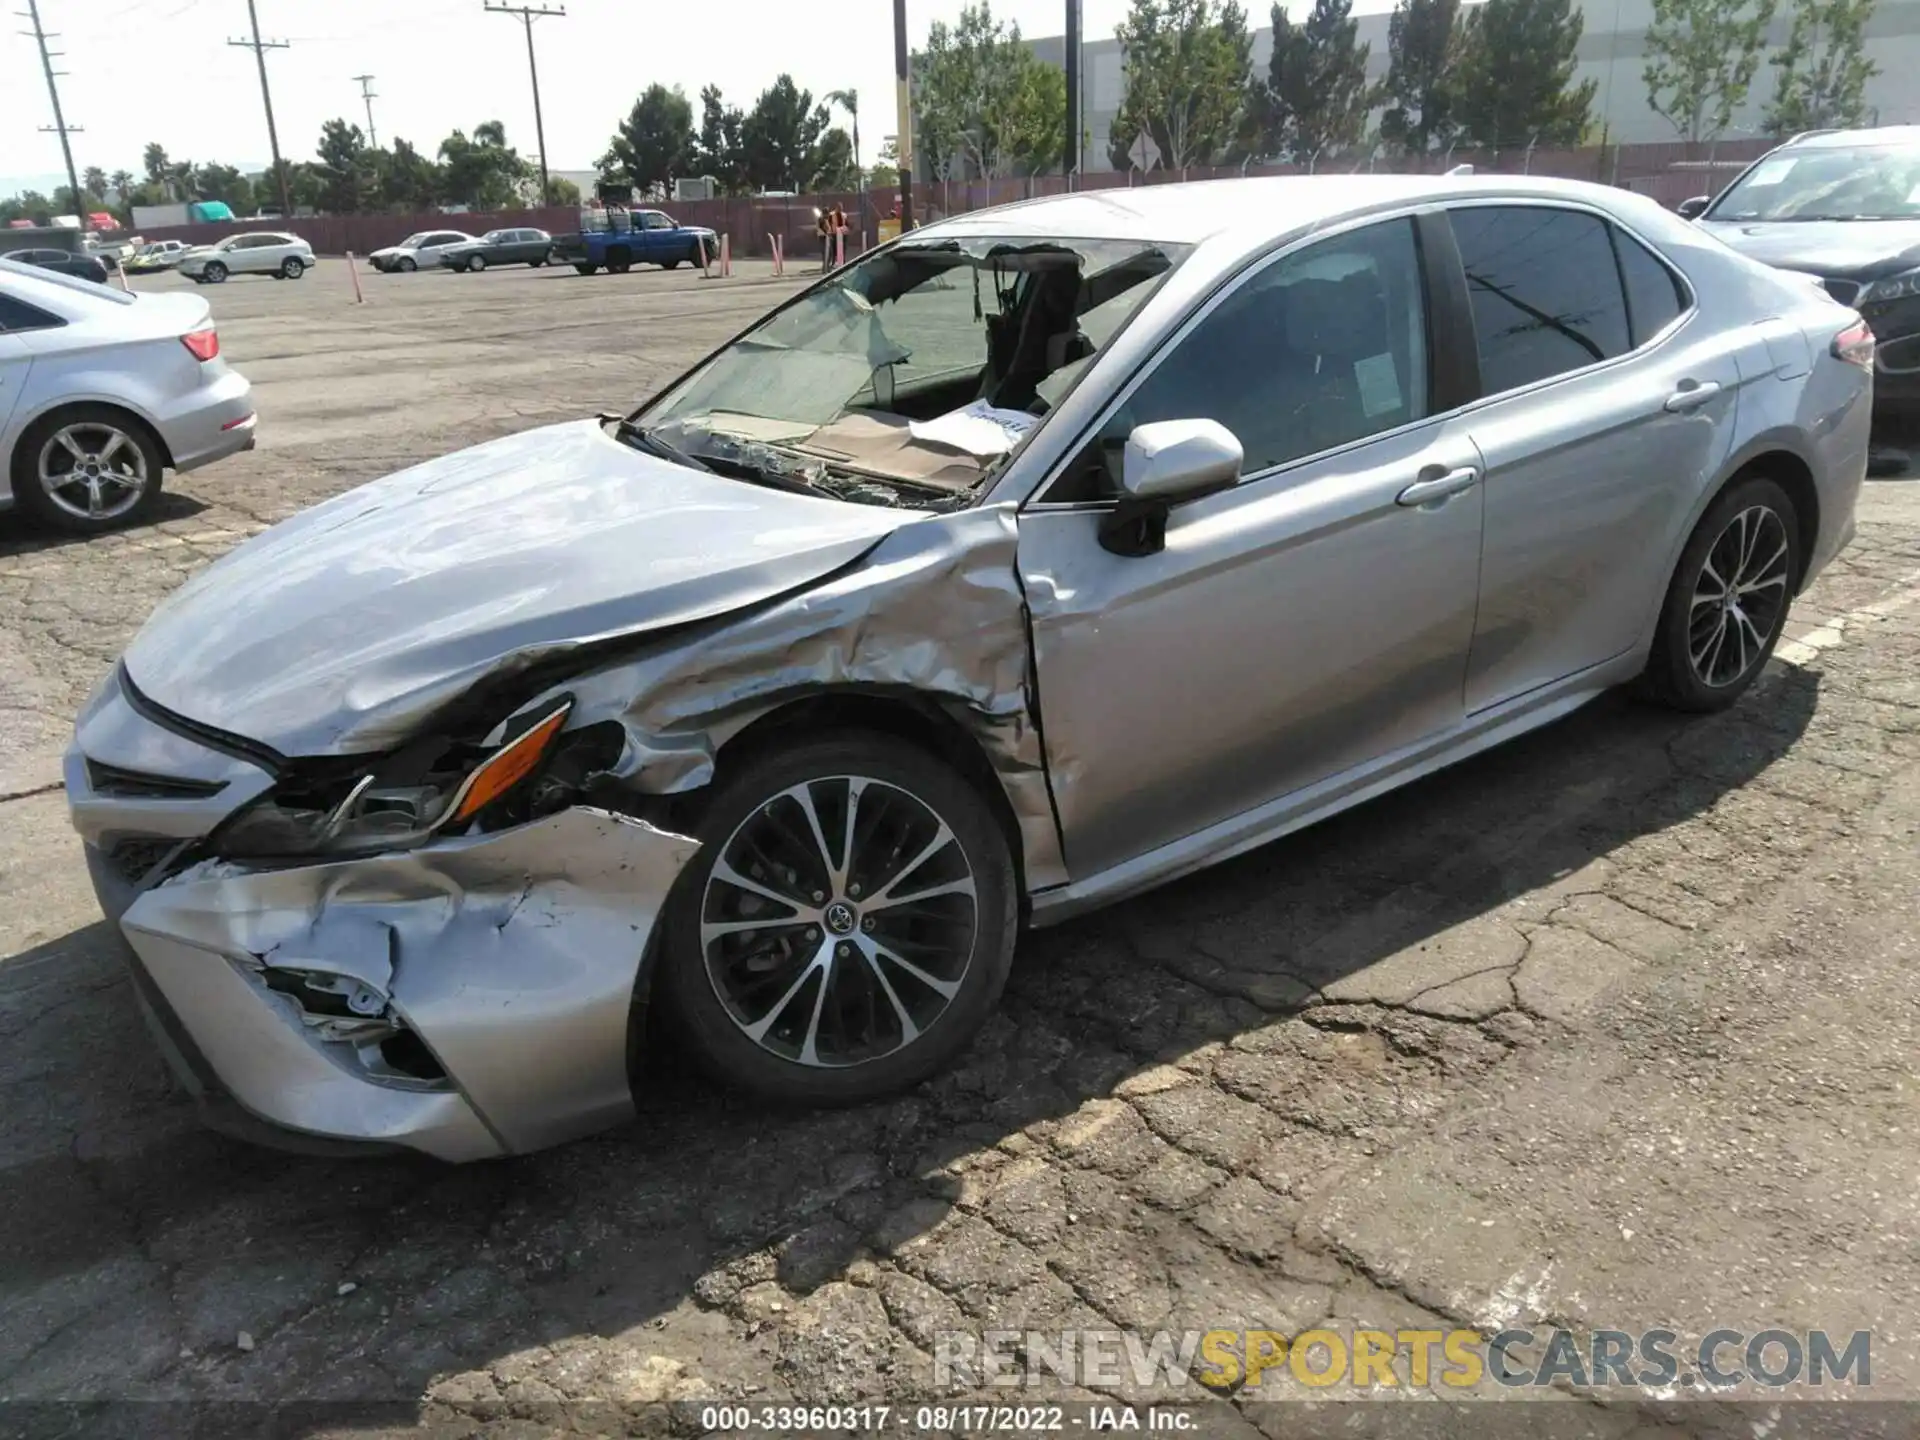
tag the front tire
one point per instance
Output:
(406, 266)
(1728, 601)
(846, 927)
(215, 272)
(476, 264)
(86, 469)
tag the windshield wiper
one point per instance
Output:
(642, 438)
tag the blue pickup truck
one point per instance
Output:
(618, 238)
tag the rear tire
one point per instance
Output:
(293, 267)
(1727, 602)
(93, 427)
(845, 1003)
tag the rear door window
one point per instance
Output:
(1546, 292)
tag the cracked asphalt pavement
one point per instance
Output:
(1612, 1028)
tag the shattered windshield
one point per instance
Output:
(1853, 182)
(908, 378)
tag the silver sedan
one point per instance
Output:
(101, 390)
(1033, 560)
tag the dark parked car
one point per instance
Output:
(80, 266)
(1843, 207)
(500, 247)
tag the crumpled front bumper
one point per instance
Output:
(513, 957)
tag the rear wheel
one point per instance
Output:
(293, 267)
(1728, 600)
(86, 469)
(846, 927)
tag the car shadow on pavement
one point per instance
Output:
(137, 1247)
(19, 535)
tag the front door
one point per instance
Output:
(1313, 617)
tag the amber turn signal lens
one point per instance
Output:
(507, 767)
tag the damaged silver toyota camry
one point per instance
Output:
(1035, 559)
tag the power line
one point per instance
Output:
(366, 94)
(528, 14)
(59, 126)
(260, 48)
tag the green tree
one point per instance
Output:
(1701, 57)
(986, 104)
(1821, 73)
(779, 135)
(484, 172)
(348, 172)
(1316, 95)
(1188, 81)
(832, 167)
(1423, 49)
(93, 180)
(158, 168)
(562, 191)
(654, 144)
(1516, 72)
(719, 150)
(411, 182)
(227, 185)
(849, 101)
(122, 183)
(27, 205)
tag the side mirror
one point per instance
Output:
(1167, 461)
(1693, 207)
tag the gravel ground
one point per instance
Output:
(1608, 1029)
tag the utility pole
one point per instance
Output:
(1070, 157)
(59, 126)
(528, 14)
(366, 94)
(260, 48)
(903, 95)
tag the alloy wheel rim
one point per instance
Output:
(838, 921)
(93, 471)
(1739, 597)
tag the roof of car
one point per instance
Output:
(1192, 212)
(1836, 139)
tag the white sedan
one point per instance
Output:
(421, 251)
(285, 257)
(101, 390)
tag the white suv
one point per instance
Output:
(285, 257)
(416, 252)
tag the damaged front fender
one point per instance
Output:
(510, 958)
(935, 611)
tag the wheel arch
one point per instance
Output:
(1788, 468)
(25, 422)
(916, 719)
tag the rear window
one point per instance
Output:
(71, 285)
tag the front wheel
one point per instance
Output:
(1728, 600)
(406, 265)
(215, 272)
(846, 927)
(476, 264)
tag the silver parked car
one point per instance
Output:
(424, 248)
(284, 257)
(1036, 559)
(101, 390)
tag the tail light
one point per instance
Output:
(205, 344)
(1855, 345)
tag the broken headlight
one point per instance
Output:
(432, 787)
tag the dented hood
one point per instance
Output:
(340, 630)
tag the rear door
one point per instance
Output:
(1606, 411)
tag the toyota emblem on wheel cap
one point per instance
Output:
(840, 918)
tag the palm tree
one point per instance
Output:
(122, 182)
(94, 181)
(490, 133)
(849, 101)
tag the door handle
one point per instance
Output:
(1437, 484)
(1691, 395)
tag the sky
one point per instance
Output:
(161, 70)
